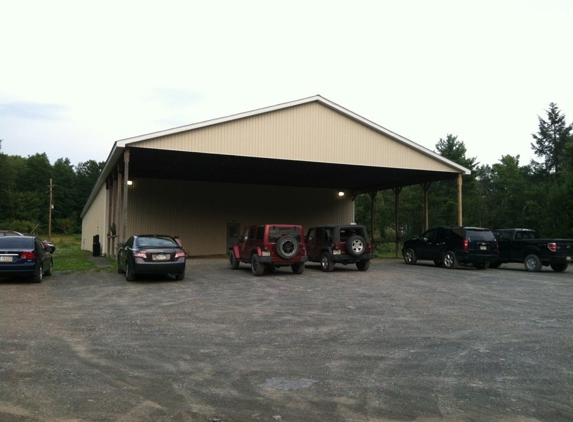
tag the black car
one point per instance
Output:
(339, 243)
(151, 254)
(451, 246)
(24, 256)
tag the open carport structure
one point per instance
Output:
(300, 162)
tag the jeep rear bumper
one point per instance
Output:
(270, 260)
(350, 258)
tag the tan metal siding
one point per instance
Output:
(310, 132)
(199, 212)
(94, 221)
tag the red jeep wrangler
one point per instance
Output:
(270, 246)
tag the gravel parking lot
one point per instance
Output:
(395, 343)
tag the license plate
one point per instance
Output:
(483, 248)
(5, 259)
(160, 257)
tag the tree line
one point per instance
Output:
(25, 193)
(536, 195)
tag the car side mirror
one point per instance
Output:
(120, 245)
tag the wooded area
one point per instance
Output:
(537, 195)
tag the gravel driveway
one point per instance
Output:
(395, 343)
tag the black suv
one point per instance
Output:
(345, 244)
(451, 246)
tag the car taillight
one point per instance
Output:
(28, 255)
(552, 246)
(466, 245)
(180, 255)
(140, 255)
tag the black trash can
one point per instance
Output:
(96, 246)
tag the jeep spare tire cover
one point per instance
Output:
(355, 245)
(287, 247)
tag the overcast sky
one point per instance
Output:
(77, 76)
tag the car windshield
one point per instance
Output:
(156, 242)
(275, 233)
(16, 242)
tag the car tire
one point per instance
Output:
(410, 256)
(363, 265)
(119, 269)
(129, 276)
(37, 278)
(257, 268)
(298, 268)
(233, 261)
(326, 262)
(287, 247)
(559, 268)
(482, 265)
(50, 268)
(450, 261)
(355, 246)
(532, 263)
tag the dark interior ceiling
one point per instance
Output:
(178, 165)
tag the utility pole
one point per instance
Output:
(50, 219)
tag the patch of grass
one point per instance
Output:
(70, 257)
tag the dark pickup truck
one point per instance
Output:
(523, 245)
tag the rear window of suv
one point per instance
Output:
(480, 235)
(275, 233)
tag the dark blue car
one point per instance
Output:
(24, 256)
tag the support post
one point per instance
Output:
(124, 205)
(460, 219)
(397, 217)
(426, 187)
(372, 225)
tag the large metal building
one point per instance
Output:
(300, 162)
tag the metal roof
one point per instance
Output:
(182, 165)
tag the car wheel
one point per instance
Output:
(482, 265)
(495, 264)
(257, 268)
(287, 247)
(355, 245)
(298, 268)
(38, 277)
(129, 276)
(450, 260)
(179, 276)
(363, 265)
(233, 261)
(119, 269)
(532, 263)
(410, 256)
(559, 267)
(50, 268)
(326, 263)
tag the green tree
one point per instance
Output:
(552, 141)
